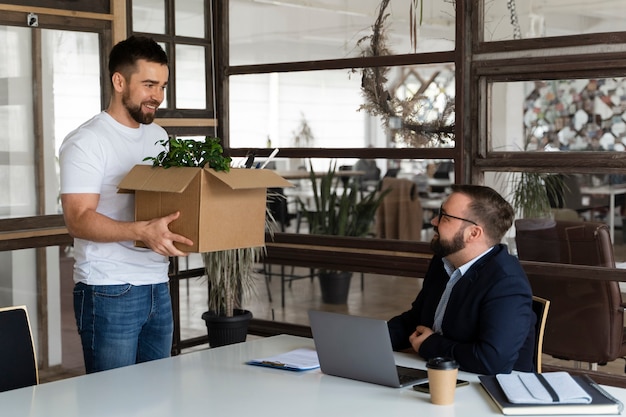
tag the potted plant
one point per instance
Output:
(229, 273)
(338, 213)
(533, 193)
(531, 197)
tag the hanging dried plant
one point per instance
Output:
(402, 114)
(413, 21)
(373, 79)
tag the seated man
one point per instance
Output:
(476, 302)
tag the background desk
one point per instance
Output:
(216, 382)
(611, 191)
(305, 175)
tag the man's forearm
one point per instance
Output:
(97, 227)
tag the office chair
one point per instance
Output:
(18, 362)
(345, 179)
(540, 308)
(369, 181)
(586, 321)
(277, 205)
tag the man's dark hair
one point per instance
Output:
(124, 56)
(489, 209)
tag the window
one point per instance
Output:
(182, 27)
(325, 30)
(47, 72)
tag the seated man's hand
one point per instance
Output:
(419, 335)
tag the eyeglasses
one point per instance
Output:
(441, 213)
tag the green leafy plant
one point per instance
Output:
(339, 214)
(533, 192)
(191, 153)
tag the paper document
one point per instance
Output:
(302, 359)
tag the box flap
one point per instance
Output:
(148, 178)
(241, 179)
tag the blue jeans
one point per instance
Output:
(121, 325)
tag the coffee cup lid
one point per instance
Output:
(440, 362)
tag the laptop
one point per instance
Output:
(359, 348)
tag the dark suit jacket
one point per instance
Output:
(489, 324)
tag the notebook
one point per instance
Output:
(359, 348)
(601, 401)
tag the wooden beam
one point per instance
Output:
(57, 12)
(33, 232)
(118, 11)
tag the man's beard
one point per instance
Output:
(135, 111)
(445, 248)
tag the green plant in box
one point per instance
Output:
(191, 153)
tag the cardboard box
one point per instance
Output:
(218, 210)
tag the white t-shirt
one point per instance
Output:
(93, 159)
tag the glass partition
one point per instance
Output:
(189, 18)
(191, 77)
(419, 185)
(515, 19)
(341, 108)
(558, 115)
(17, 144)
(317, 30)
(580, 197)
(149, 16)
(69, 93)
(188, 43)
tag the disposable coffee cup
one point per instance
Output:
(442, 375)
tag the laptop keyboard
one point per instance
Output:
(408, 375)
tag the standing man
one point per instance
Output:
(476, 302)
(121, 297)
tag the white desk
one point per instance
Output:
(439, 182)
(611, 191)
(216, 382)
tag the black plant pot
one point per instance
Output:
(335, 286)
(224, 330)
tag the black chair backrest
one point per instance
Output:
(18, 365)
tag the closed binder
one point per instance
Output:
(601, 401)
